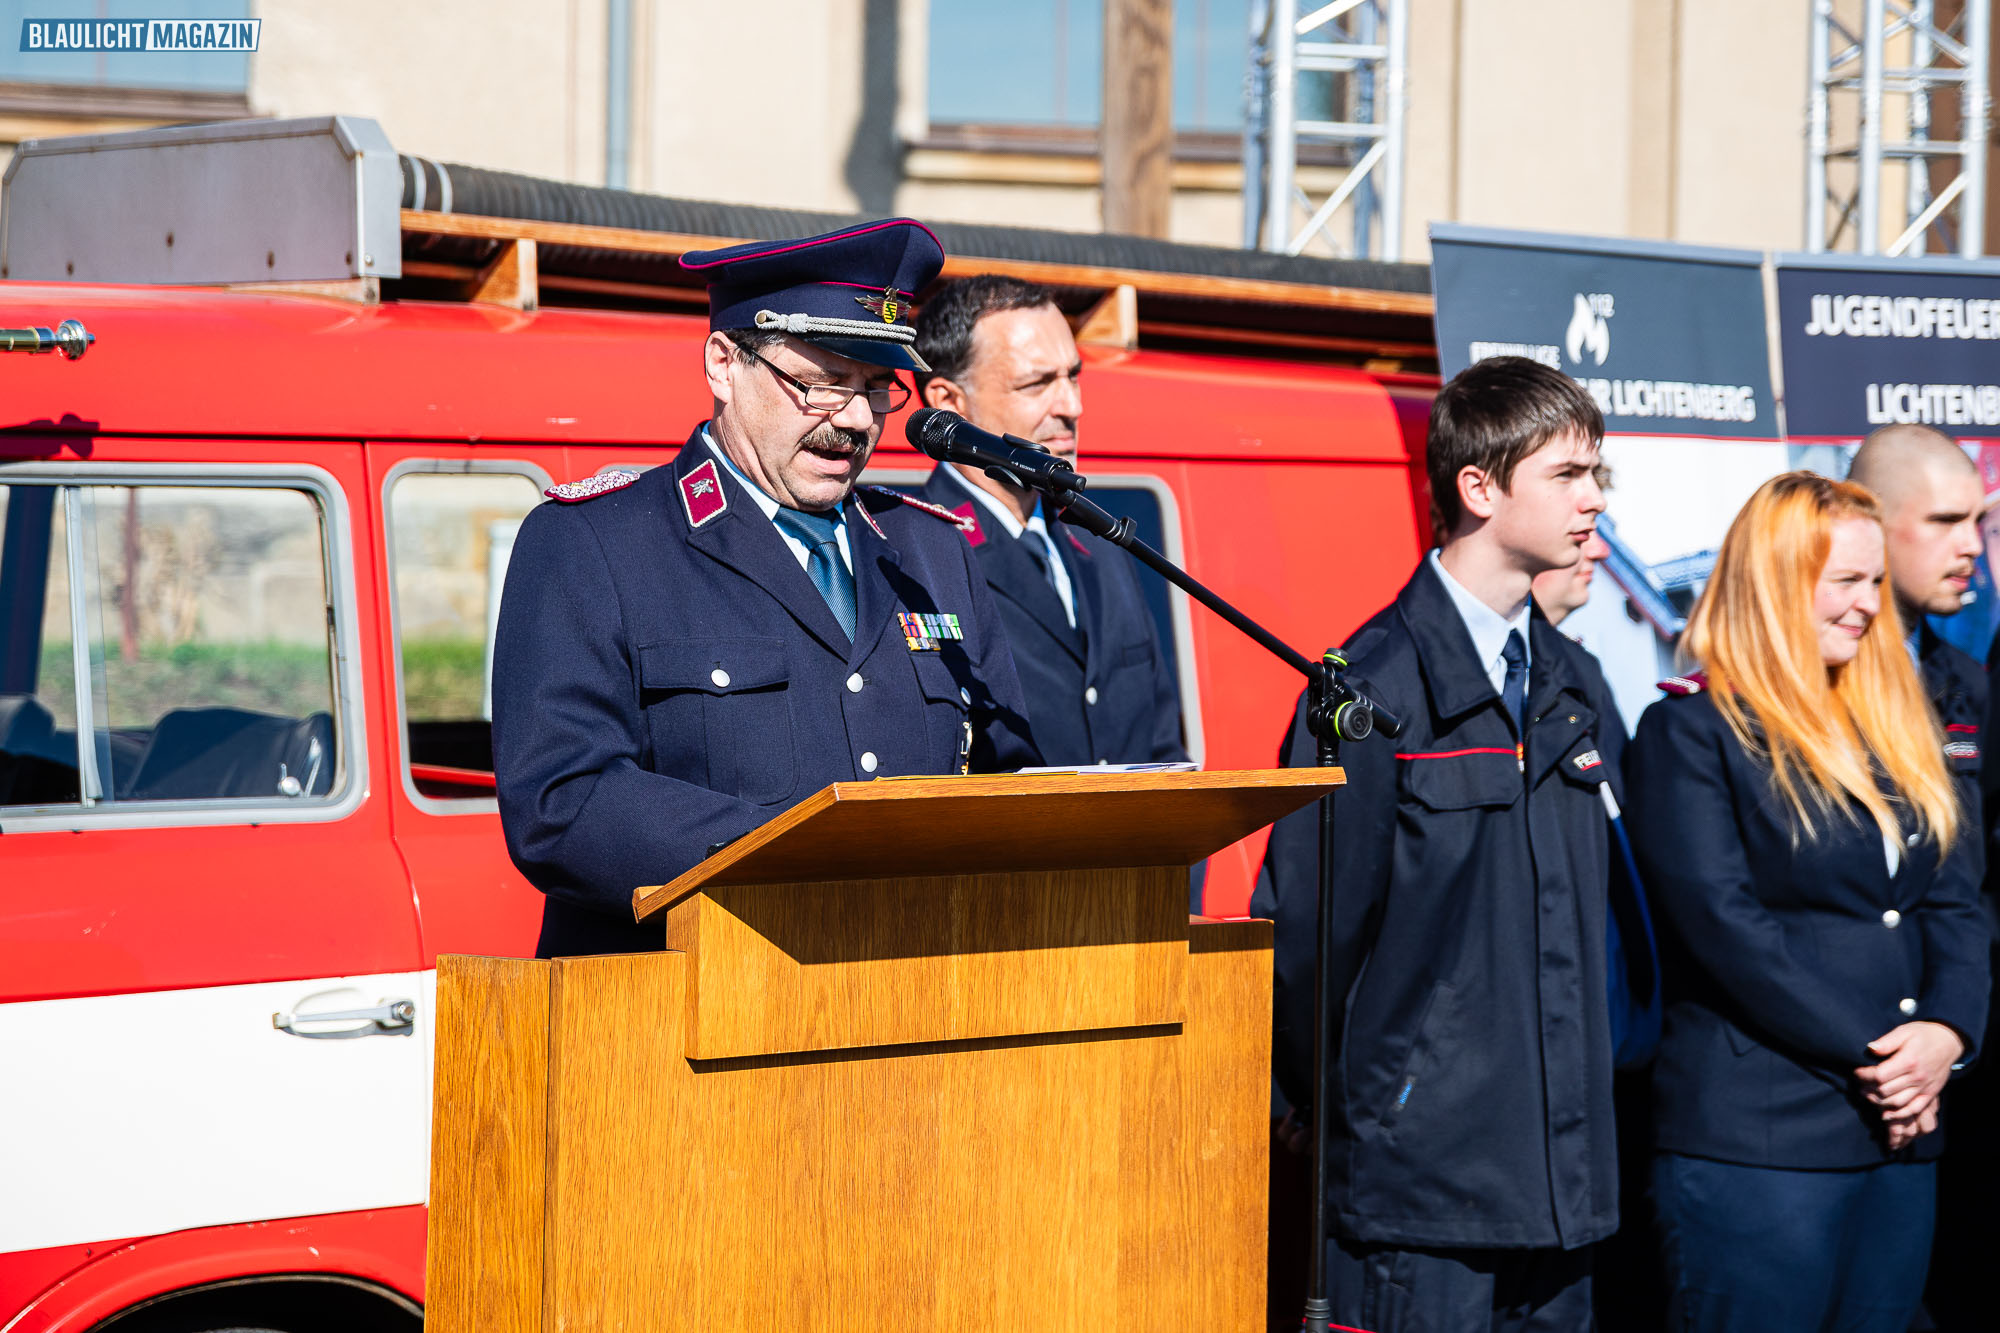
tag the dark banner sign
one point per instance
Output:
(1669, 339)
(1876, 343)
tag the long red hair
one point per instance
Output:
(1825, 731)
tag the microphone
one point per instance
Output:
(950, 438)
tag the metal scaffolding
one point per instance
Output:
(1943, 60)
(1350, 60)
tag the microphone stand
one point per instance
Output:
(1335, 712)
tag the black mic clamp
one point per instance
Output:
(1340, 712)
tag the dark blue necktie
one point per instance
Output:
(1514, 689)
(829, 574)
(1044, 557)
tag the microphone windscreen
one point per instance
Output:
(929, 428)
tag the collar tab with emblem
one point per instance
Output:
(702, 494)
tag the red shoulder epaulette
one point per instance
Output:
(1692, 683)
(575, 492)
(935, 511)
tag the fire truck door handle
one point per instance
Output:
(391, 1018)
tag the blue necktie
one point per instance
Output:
(829, 574)
(1045, 559)
(1514, 688)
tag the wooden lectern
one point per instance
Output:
(922, 1054)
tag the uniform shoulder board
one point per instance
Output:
(1692, 683)
(575, 492)
(935, 511)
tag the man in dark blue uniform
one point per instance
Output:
(1099, 691)
(1470, 1135)
(685, 653)
(1932, 500)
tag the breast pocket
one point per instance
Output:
(719, 711)
(1465, 779)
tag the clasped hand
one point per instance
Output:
(1916, 1062)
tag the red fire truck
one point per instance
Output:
(250, 547)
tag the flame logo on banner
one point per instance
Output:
(1588, 332)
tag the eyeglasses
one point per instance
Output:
(835, 397)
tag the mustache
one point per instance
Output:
(836, 437)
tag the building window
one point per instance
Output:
(184, 633)
(1053, 52)
(450, 536)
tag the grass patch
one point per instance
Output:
(288, 679)
(444, 679)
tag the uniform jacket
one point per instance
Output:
(1100, 692)
(1785, 958)
(1956, 684)
(1471, 1075)
(666, 678)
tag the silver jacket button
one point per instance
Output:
(720, 677)
(1090, 695)
(854, 683)
(1892, 918)
(1907, 1005)
(965, 696)
(868, 766)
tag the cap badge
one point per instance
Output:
(886, 305)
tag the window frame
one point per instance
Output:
(1178, 602)
(350, 732)
(432, 466)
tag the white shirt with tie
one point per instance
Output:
(1058, 573)
(1488, 628)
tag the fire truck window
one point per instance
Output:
(37, 668)
(209, 643)
(450, 536)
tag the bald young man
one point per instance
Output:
(1931, 500)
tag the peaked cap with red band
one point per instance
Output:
(849, 291)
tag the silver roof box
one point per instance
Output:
(310, 200)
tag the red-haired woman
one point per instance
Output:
(1797, 830)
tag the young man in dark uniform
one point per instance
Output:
(685, 653)
(1932, 500)
(1469, 1122)
(1098, 687)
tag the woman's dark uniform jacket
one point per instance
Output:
(666, 677)
(1099, 692)
(1786, 954)
(1472, 1053)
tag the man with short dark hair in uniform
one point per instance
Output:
(685, 653)
(1099, 691)
(1469, 1134)
(1932, 500)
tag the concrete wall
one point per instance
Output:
(516, 84)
